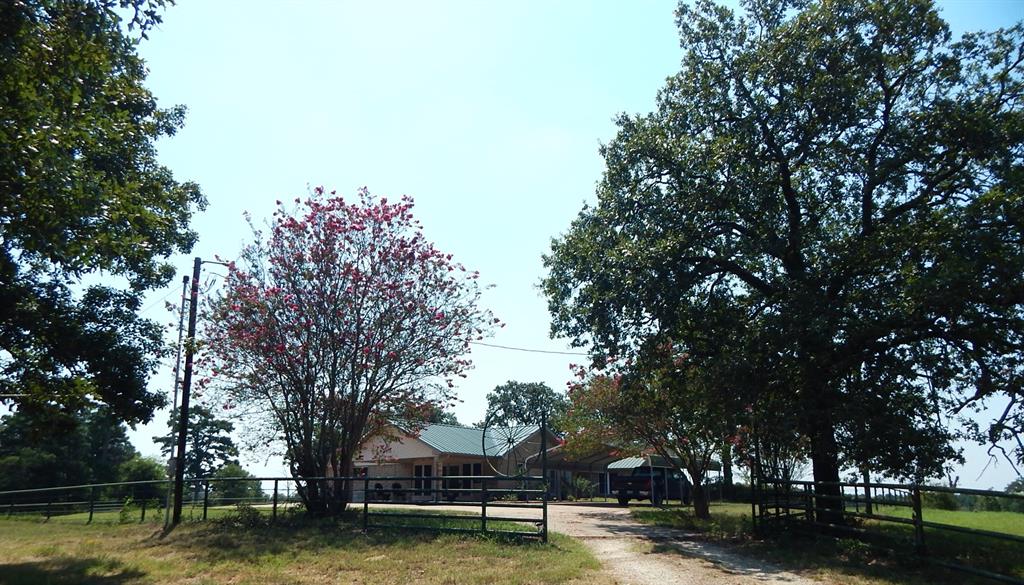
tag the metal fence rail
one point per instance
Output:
(149, 500)
(781, 504)
(495, 492)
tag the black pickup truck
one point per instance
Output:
(643, 484)
(666, 482)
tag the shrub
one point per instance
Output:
(939, 500)
(583, 488)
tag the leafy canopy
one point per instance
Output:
(341, 320)
(46, 448)
(81, 192)
(845, 179)
(210, 445)
(525, 403)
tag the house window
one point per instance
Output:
(423, 486)
(451, 484)
(471, 469)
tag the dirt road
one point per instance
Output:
(637, 554)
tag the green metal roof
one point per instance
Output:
(470, 441)
(628, 463)
(657, 460)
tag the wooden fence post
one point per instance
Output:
(143, 518)
(275, 500)
(366, 501)
(92, 503)
(483, 505)
(206, 497)
(808, 503)
(915, 499)
(868, 507)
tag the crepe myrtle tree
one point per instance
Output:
(339, 320)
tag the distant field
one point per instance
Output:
(294, 550)
(1006, 522)
(154, 516)
(850, 561)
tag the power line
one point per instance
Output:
(156, 302)
(529, 350)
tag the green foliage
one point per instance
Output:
(583, 488)
(526, 402)
(827, 205)
(209, 444)
(140, 468)
(939, 500)
(239, 490)
(664, 402)
(26, 468)
(128, 511)
(990, 504)
(81, 193)
(437, 414)
(726, 521)
(1016, 486)
(41, 448)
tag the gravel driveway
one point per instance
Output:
(639, 554)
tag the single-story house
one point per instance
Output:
(440, 450)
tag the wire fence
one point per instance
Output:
(460, 503)
(913, 519)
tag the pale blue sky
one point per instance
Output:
(489, 114)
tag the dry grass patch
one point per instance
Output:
(296, 551)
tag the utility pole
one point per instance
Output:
(177, 380)
(186, 387)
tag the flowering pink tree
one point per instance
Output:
(341, 319)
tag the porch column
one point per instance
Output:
(437, 472)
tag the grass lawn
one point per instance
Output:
(1006, 522)
(241, 550)
(850, 561)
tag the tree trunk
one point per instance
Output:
(825, 463)
(868, 507)
(699, 494)
(727, 491)
(343, 488)
(313, 493)
(819, 425)
(701, 508)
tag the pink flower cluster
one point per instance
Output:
(347, 293)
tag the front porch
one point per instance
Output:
(421, 480)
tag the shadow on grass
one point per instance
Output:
(883, 552)
(69, 571)
(249, 538)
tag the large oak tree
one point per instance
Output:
(847, 176)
